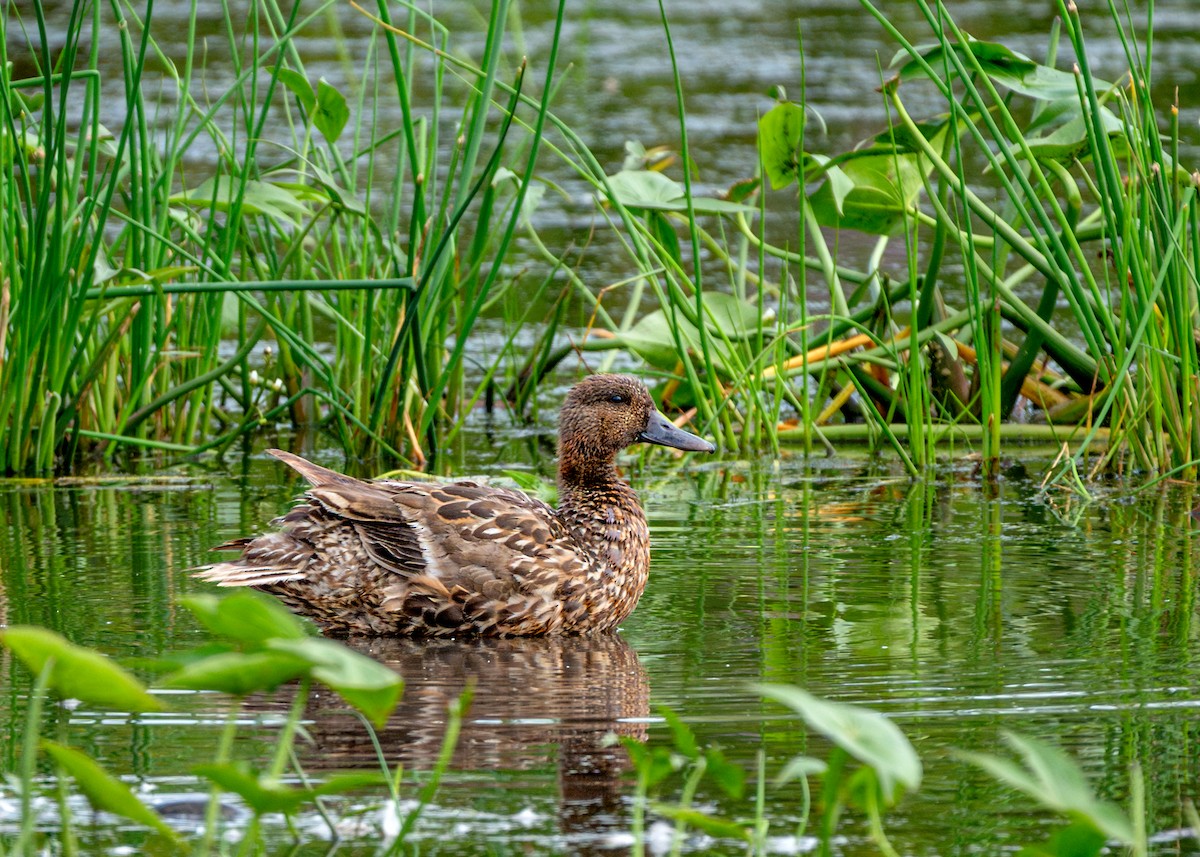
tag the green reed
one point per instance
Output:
(332, 265)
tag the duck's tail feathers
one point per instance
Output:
(314, 473)
(235, 574)
(273, 558)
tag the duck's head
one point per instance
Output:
(603, 414)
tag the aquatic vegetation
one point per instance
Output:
(263, 648)
(331, 269)
(870, 766)
(887, 767)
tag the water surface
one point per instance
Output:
(958, 611)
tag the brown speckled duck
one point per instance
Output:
(415, 558)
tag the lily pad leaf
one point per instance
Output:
(77, 672)
(873, 190)
(726, 318)
(1010, 69)
(866, 735)
(104, 791)
(366, 684)
(246, 617)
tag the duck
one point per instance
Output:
(419, 559)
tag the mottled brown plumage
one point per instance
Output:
(412, 558)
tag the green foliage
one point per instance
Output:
(75, 672)
(104, 791)
(866, 735)
(265, 647)
(1054, 780)
(888, 766)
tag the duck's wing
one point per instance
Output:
(496, 560)
(422, 557)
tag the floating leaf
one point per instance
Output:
(239, 673)
(78, 672)
(780, 131)
(104, 791)
(245, 616)
(866, 735)
(873, 190)
(366, 684)
(331, 113)
(1054, 779)
(800, 766)
(725, 316)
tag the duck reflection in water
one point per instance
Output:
(534, 699)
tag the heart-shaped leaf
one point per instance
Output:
(866, 735)
(366, 684)
(239, 673)
(77, 672)
(245, 616)
(780, 131)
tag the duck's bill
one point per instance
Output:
(664, 433)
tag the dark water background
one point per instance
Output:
(959, 613)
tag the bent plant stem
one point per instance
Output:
(455, 712)
(212, 813)
(686, 796)
(875, 821)
(29, 747)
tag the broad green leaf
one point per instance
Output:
(730, 777)
(104, 791)
(1074, 840)
(712, 825)
(725, 317)
(1055, 780)
(1005, 66)
(239, 673)
(868, 193)
(780, 131)
(866, 735)
(245, 616)
(685, 741)
(263, 795)
(366, 684)
(1069, 140)
(798, 767)
(649, 190)
(78, 673)
(265, 198)
(299, 86)
(331, 113)
(653, 764)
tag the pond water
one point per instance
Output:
(960, 612)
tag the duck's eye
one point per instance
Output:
(617, 399)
